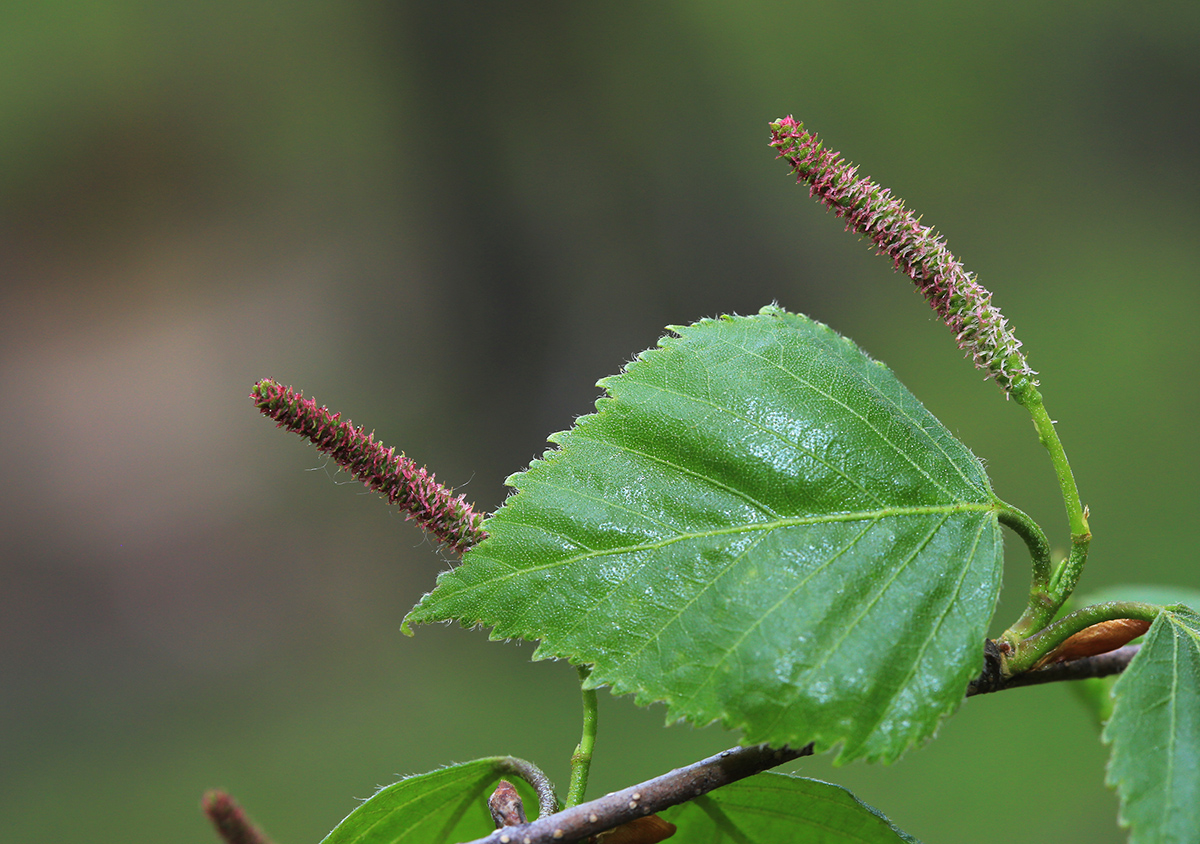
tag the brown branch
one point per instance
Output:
(1100, 665)
(684, 784)
(671, 789)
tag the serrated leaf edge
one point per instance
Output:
(550, 649)
(1168, 616)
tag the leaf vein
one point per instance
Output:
(732, 530)
(758, 623)
(792, 444)
(902, 453)
(745, 496)
(849, 628)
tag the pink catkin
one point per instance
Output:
(230, 821)
(412, 488)
(915, 249)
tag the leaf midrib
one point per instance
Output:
(732, 530)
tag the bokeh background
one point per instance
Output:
(448, 220)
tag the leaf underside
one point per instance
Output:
(770, 808)
(440, 807)
(1155, 733)
(760, 526)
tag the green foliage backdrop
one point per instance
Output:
(450, 221)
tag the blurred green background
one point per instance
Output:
(448, 220)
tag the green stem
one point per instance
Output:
(1063, 580)
(581, 759)
(1066, 577)
(1028, 652)
(1041, 605)
(1034, 538)
(1027, 396)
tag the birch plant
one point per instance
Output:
(760, 526)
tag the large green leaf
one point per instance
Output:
(440, 807)
(772, 808)
(1155, 733)
(760, 525)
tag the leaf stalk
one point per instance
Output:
(1047, 594)
(1042, 606)
(581, 759)
(1029, 397)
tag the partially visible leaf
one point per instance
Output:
(440, 807)
(1155, 733)
(773, 808)
(760, 526)
(1096, 692)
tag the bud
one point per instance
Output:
(506, 805)
(648, 830)
(1097, 639)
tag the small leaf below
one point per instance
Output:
(440, 807)
(1155, 733)
(771, 808)
(759, 526)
